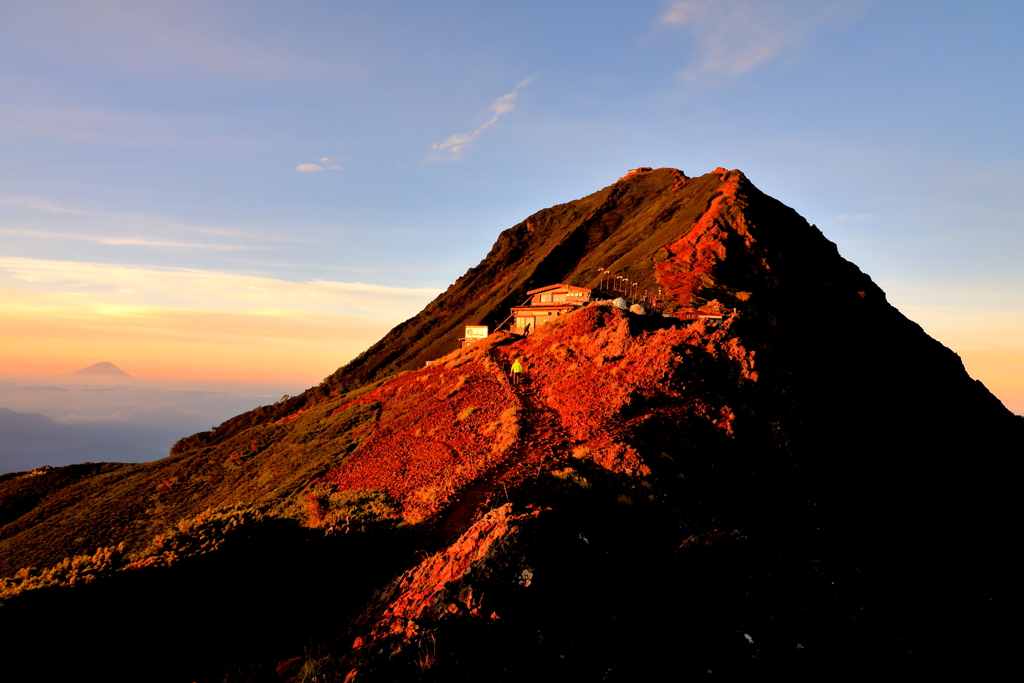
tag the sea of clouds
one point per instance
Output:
(59, 420)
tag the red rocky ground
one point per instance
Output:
(460, 421)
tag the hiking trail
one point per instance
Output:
(541, 442)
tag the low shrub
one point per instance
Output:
(349, 510)
(571, 476)
(197, 535)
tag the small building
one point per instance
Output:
(473, 333)
(546, 304)
(636, 171)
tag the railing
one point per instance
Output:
(511, 315)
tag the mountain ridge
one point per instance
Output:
(804, 463)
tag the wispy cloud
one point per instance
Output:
(40, 204)
(116, 126)
(735, 36)
(172, 39)
(127, 241)
(323, 165)
(128, 222)
(851, 217)
(112, 289)
(78, 419)
(37, 203)
(453, 145)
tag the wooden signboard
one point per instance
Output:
(474, 332)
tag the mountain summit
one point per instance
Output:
(775, 475)
(102, 368)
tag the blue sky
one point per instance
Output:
(297, 177)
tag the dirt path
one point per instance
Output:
(542, 442)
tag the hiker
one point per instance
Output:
(517, 369)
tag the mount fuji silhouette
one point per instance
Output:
(102, 368)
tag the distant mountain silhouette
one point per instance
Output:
(102, 368)
(28, 441)
(811, 488)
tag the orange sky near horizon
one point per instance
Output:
(1002, 373)
(985, 327)
(58, 317)
(200, 346)
(199, 326)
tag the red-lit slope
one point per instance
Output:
(460, 421)
(438, 429)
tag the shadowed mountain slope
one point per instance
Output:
(787, 493)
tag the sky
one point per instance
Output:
(255, 191)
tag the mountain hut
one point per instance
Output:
(546, 304)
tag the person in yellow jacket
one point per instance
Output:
(517, 370)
